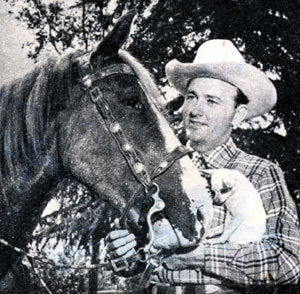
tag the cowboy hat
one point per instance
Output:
(220, 59)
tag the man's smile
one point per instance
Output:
(196, 123)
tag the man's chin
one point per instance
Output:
(196, 139)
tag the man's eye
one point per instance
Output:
(190, 97)
(212, 101)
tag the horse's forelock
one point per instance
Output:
(154, 99)
(145, 78)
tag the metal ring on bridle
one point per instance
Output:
(157, 206)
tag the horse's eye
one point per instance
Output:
(133, 102)
(138, 105)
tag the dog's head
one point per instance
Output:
(222, 182)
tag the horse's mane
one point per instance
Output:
(28, 106)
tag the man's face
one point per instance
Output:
(208, 112)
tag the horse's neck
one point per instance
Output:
(22, 204)
(29, 108)
(29, 167)
(28, 155)
(24, 195)
(27, 163)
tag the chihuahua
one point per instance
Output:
(245, 217)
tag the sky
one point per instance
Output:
(13, 59)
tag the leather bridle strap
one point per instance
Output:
(112, 125)
(169, 160)
(116, 131)
(135, 164)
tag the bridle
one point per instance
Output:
(88, 77)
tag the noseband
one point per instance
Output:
(88, 77)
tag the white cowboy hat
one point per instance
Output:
(220, 59)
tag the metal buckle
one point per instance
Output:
(120, 264)
(96, 94)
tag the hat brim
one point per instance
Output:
(251, 81)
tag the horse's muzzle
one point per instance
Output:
(168, 237)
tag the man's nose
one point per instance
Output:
(197, 109)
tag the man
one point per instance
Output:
(221, 90)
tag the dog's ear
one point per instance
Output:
(228, 184)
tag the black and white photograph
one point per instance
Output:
(149, 147)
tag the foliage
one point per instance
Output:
(58, 25)
(69, 234)
(267, 32)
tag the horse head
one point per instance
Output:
(51, 128)
(89, 152)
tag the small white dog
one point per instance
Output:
(245, 218)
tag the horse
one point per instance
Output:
(51, 129)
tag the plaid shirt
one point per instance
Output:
(276, 258)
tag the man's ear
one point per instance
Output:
(240, 114)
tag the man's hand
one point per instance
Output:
(120, 244)
(191, 260)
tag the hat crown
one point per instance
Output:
(221, 60)
(213, 51)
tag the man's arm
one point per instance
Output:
(274, 260)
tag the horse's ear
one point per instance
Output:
(111, 44)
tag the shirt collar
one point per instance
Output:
(219, 157)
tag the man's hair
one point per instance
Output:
(240, 98)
